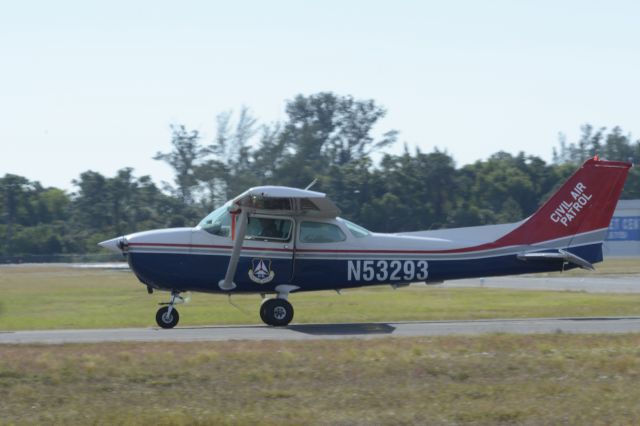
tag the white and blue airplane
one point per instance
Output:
(280, 240)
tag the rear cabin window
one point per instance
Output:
(318, 232)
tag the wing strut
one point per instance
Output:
(241, 228)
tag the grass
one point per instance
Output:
(610, 267)
(46, 297)
(491, 379)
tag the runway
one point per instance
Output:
(328, 331)
(628, 283)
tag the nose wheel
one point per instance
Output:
(168, 316)
(276, 312)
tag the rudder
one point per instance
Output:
(585, 203)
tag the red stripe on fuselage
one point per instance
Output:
(481, 247)
(460, 250)
(204, 246)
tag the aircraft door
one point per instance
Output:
(317, 253)
(267, 254)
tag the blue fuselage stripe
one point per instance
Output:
(199, 272)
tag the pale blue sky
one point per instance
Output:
(88, 85)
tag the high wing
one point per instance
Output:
(293, 201)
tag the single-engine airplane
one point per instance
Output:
(279, 240)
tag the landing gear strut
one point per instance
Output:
(276, 312)
(168, 316)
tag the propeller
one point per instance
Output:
(116, 245)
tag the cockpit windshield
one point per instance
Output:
(218, 222)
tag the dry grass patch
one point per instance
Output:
(496, 379)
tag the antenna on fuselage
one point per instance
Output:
(313, 182)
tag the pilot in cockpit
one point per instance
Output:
(269, 229)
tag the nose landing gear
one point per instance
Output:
(168, 316)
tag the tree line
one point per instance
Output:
(325, 137)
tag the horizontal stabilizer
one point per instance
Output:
(558, 255)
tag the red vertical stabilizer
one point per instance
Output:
(584, 203)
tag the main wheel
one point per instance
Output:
(166, 319)
(276, 312)
(263, 311)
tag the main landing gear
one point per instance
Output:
(276, 312)
(168, 316)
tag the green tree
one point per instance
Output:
(325, 130)
(504, 185)
(350, 186)
(425, 185)
(28, 209)
(227, 166)
(614, 145)
(104, 207)
(186, 153)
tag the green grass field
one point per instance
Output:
(44, 297)
(485, 380)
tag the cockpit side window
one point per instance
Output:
(268, 229)
(319, 232)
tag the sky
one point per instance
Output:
(96, 85)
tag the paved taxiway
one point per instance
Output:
(329, 331)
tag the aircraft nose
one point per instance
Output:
(114, 244)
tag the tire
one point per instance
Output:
(263, 311)
(276, 312)
(165, 321)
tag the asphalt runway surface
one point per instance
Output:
(329, 331)
(590, 284)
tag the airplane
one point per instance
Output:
(281, 240)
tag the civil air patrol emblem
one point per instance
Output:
(260, 271)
